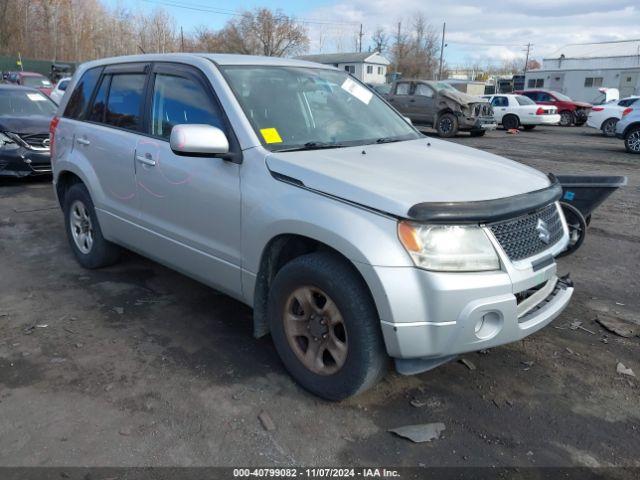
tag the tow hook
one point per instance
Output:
(566, 281)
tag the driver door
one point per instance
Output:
(423, 107)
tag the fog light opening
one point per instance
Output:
(488, 325)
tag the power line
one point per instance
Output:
(222, 11)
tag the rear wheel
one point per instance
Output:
(447, 125)
(528, 127)
(83, 230)
(325, 326)
(567, 118)
(609, 127)
(510, 122)
(632, 140)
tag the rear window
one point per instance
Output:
(36, 82)
(25, 103)
(124, 105)
(82, 94)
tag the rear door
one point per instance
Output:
(189, 205)
(107, 139)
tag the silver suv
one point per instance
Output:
(297, 190)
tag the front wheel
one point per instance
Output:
(510, 122)
(447, 125)
(632, 140)
(325, 326)
(83, 230)
(567, 118)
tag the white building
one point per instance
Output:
(369, 67)
(579, 70)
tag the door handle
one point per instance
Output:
(146, 159)
(83, 141)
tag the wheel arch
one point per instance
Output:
(280, 250)
(629, 127)
(607, 119)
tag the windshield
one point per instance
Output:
(445, 86)
(23, 103)
(35, 82)
(293, 107)
(522, 100)
(560, 96)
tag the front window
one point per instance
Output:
(560, 96)
(25, 103)
(293, 107)
(36, 82)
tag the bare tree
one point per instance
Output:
(264, 32)
(415, 54)
(380, 40)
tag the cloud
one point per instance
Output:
(489, 30)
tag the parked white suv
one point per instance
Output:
(295, 189)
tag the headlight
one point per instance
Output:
(4, 139)
(448, 248)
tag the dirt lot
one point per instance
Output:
(138, 365)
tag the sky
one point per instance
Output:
(480, 32)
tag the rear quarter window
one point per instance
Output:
(81, 95)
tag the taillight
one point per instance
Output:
(540, 111)
(627, 111)
(597, 109)
(52, 133)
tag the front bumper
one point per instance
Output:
(433, 316)
(18, 161)
(476, 123)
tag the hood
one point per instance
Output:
(460, 97)
(582, 104)
(393, 177)
(25, 124)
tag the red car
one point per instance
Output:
(571, 112)
(33, 80)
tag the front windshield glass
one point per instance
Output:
(522, 100)
(16, 102)
(445, 86)
(298, 107)
(35, 82)
(560, 96)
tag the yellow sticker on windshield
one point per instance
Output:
(270, 135)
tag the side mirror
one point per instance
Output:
(196, 139)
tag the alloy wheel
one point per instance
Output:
(81, 227)
(315, 330)
(633, 141)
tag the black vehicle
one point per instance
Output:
(25, 115)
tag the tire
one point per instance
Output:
(447, 125)
(567, 118)
(477, 133)
(359, 334)
(577, 228)
(632, 140)
(89, 246)
(528, 127)
(510, 121)
(609, 127)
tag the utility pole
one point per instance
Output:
(444, 28)
(360, 41)
(398, 51)
(526, 62)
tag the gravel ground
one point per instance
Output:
(138, 365)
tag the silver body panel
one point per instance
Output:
(212, 219)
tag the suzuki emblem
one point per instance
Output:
(543, 231)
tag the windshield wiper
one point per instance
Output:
(313, 146)
(388, 140)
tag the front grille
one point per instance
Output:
(38, 141)
(482, 110)
(521, 237)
